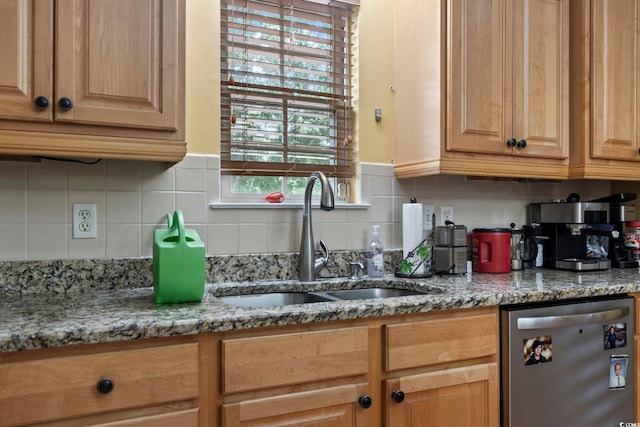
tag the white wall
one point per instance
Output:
(134, 197)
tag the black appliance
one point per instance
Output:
(578, 234)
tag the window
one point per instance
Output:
(285, 92)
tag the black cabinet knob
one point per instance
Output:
(42, 102)
(512, 142)
(365, 401)
(65, 104)
(105, 385)
(398, 395)
(522, 143)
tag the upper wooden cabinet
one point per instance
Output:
(482, 88)
(605, 68)
(109, 73)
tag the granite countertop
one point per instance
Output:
(92, 316)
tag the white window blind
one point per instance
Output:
(285, 89)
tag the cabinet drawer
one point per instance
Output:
(429, 342)
(61, 387)
(263, 362)
(334, 406)
(187, 418)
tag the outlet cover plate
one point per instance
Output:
(446, 214)
(85, 221)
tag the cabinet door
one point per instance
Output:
(117, 61)
(614, 79)
(331, 407)
(26, 49)
(467, 396)
(57, 388)
(541, 78)
(478, 88)
(509, 77)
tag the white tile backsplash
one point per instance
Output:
(194, 206)
(124, 175)
(156, 177)
(252, 238)
(13, 244)
(47, 207)
(134, 197)
(124, 207)
(86, 177)
(156, 205)
(123, 240)
(222, 239)
(13, 175)
(13, 206)
(88, 248)
(190, 179)
(280, 237)
(46, 241)
(47, 174)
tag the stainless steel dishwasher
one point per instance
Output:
(568, 364)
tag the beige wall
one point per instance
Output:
(202, 113)
(373, 78)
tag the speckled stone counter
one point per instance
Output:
(38, 320)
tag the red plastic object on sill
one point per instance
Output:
(274, 197)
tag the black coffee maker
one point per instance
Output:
(578, 233)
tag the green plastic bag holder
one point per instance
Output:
(178, 263)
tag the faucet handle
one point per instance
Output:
(354, 268)
(325, 258)
(320, 263)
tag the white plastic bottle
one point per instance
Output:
(375, 257)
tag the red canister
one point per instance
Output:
(491, 250)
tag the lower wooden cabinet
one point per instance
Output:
(438, 368)
(128, 384)
(466, 396)
(295, 378)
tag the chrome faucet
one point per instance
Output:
(310, 266)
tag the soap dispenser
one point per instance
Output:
(375, 255)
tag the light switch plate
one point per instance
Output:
(427, 217)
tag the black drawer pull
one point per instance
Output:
(105, 385)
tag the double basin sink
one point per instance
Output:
(278, 299)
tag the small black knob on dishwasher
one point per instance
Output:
(398, 395)
(511, 143)
(42, 102)
(365, 401)
(522, 143)
(105, 385)
(65, 103)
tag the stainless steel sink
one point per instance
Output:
(273, 299)
(279, 299)
(368, 293)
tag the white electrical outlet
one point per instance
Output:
(446, 214)
(427, 217)
(85, 221)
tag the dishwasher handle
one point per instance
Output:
(572, 319)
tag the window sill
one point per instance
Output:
(285, 205)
